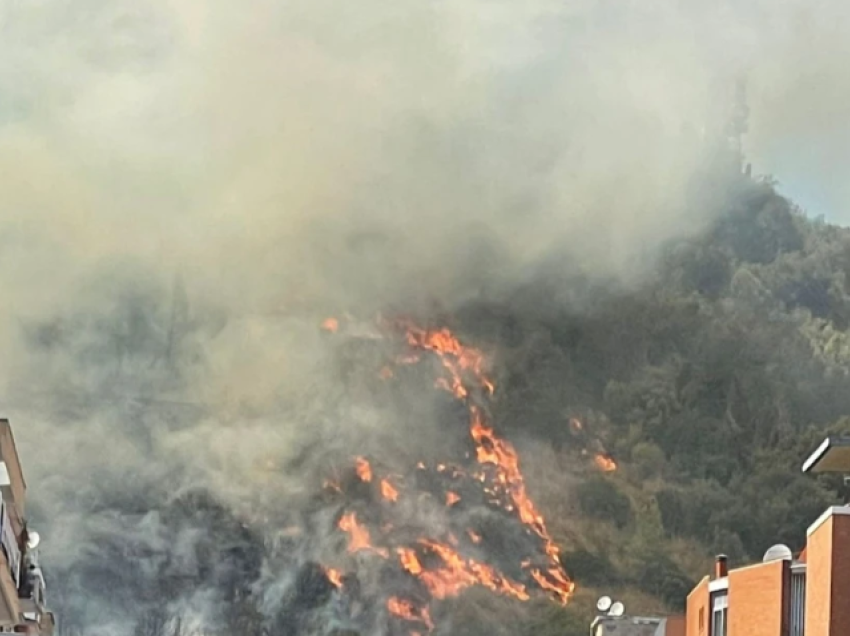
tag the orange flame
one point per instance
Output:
(409, 561)
(445, 572)
(444, 343)
(491, 450)
(387, 491)
(605, 463)
(364, 470)
(334, 576)
(406, 610)
(359, 538)
(459, 573)
(330, 325)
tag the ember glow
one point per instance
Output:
(439, 564)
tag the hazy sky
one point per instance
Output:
(801, 102)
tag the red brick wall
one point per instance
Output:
(698, 611)
(758, 599)
(828, 577)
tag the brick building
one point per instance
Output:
(783, 595)
(22, 589)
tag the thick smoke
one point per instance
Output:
(189, 188)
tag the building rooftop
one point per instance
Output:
(637, 626)
(832, 456)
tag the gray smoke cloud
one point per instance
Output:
(189, 187)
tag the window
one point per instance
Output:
(719, 613)
(798, 601)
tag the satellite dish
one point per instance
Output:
(604, 604)
(33, 540)
(779, 552)
(617, 609)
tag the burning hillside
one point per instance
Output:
(490, 533)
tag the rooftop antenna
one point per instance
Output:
(778, 552)
(608, 607)
(33, 539)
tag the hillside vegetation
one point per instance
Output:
(708, 382)
(709, 385)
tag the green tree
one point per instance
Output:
(600, 498)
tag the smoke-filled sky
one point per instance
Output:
(287, 160)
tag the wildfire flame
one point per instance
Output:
(388, 492)
(605, 463)
(334, 576)
(408, 611)
(330, 325)
(459, 573)
(364, 469)
(440, 564)
(491, 450)
(359, 538)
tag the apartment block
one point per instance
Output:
(785, 594)
(22, 588)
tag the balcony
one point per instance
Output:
(34, 618)
(12, 482)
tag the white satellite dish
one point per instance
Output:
(604, 604)
(778, 552)
(617, 609)
(33, 539)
